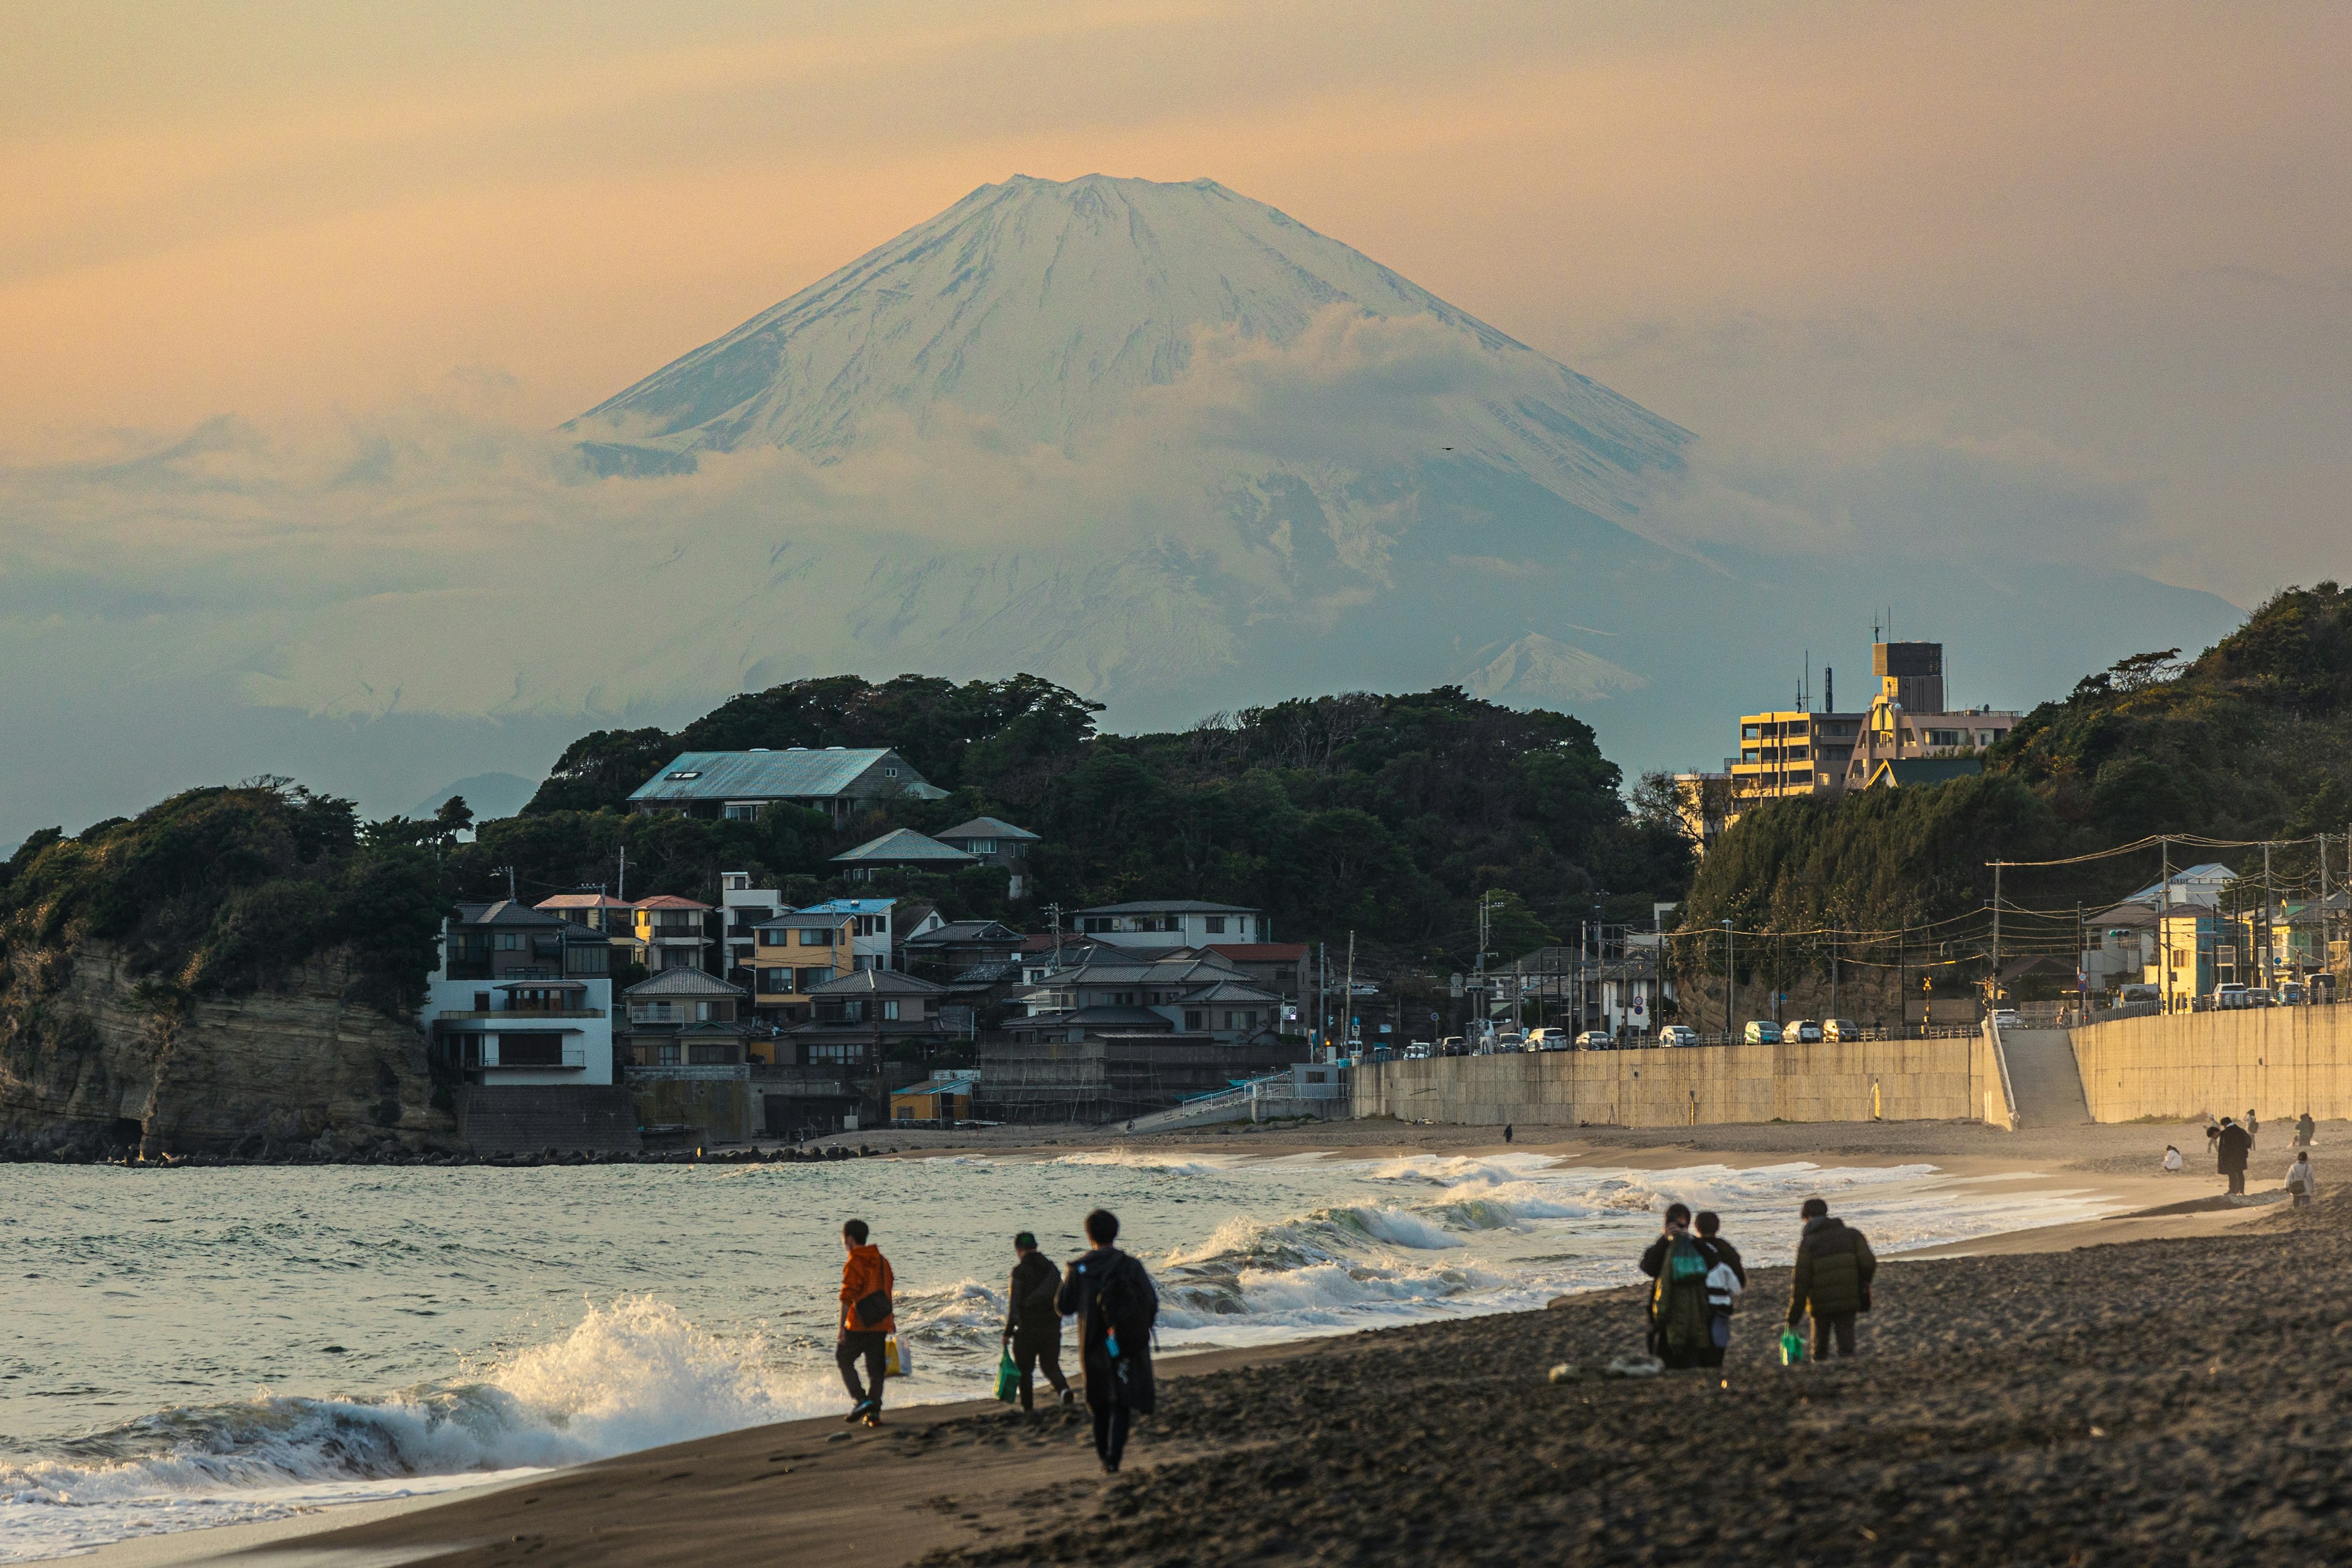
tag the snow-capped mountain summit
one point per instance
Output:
(1050, 308)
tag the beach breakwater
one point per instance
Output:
(2277, 1061)
(1829, 1080)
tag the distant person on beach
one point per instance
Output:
(2230, 1152)
(1835, 1268)
(1032, 1326)
(2253, 1128)
(2304, 1130)
(1507, 1131)
(1113, 1300)
(2301, 1180)
(1679, 1329)
(2171, 1158)
(1726, 1276)
(868, 1322)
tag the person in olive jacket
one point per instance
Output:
(1032, 1327)
(1834, 1267)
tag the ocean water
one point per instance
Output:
(192, 1348)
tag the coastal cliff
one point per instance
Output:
(91, 1060)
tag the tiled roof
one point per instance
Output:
(876, 982)
(508, 912)
(903, 845)
(584, 901)
(670, 901)
(1260, 951)
(795, 773)
(987, 828)
(683, 981)
(1169, 907)
(966, 930)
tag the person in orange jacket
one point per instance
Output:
(868, 1322)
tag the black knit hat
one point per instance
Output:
(1023, 1239)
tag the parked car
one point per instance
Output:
(2232, 996)
(1761, 1032)
(1677, 1035)
(1510, 1043)
(1841, 1029)
(1803, 1031)
(1595, 1040)
(1417, 1052)
(2291, 994)
(2007, 1018)
(1549, 1039)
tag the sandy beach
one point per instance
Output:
(2152, 1387)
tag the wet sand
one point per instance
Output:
(2163, 1392)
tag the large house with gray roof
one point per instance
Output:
(839, 781)
(1109, 994)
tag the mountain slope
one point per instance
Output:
(1050, 310)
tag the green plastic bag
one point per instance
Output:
(1792, 1347)
(1008, 1377)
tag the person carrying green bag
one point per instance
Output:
(1033, 1327)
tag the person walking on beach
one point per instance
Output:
(1678, 1308)
(1032, 1326)
(2253, 1129)
(1835, 1268)
(1113, 1300)
(2304, 1130)
(1507, 1131)
(2301, 1180)
(868, 1322)
(2230, 1152)
(1726, 1277)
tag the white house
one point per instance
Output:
(520, 996)
(1173, 922)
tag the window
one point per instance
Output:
(812, 977)
(1751, 731)
(1947, 737)
(665, 1056)
(481, 1001)
(889, 773)
(984, 847)
(1750, 755)
(1216, 925)
(1796, 729)
(1096, 922)
(710, 1056)
(742, 811)
(1987, 737)
(1192, 1018)
(890, 1011)
(816, 936)
(689, 773)
(508, 942)
(1796, 754)
(535, 1051)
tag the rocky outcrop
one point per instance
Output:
(90, 1057)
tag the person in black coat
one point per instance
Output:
(1112, 1297)
(1032, 1327)
(2230, 1151)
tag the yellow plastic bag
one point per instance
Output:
(898, 1360)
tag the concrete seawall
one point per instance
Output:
(1898, 1081)
(2280, 1061)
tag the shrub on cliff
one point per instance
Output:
(224, 890)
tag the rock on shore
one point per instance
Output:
(2163, 1402)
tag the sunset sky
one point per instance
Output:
(2112, 240)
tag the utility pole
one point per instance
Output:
(1348, 1011)
(623, 886)
(2164, 923)
(1996, 936)
(1731, 977)
(1315, 1045)
(2269, 979)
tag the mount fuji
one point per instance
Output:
(1179, 451)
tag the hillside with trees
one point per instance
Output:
(2251, 740)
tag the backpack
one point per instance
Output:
(1722, 1290)
(1678, 1304)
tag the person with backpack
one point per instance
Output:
(1032, 1326)
(1680, 1318)
(1835, 1268)
(1114, 1301)
(2302, 1180)
(2230, 1152)
(1726, 1277)
(868, 1322)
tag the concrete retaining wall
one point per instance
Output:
(2279, 1061)
(1941, 1080)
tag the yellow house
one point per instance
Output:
(793, 955)
(944, 1099)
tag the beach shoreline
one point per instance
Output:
(2083, 1159)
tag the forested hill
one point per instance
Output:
(1387, 816)
(2251, 740)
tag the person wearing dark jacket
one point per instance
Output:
(1718, 1253)
(1032, 1326)
(1113, 1300)
(2230, 1152)
(1677, 1309)
(2304, 1129)
(1834, 1267)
